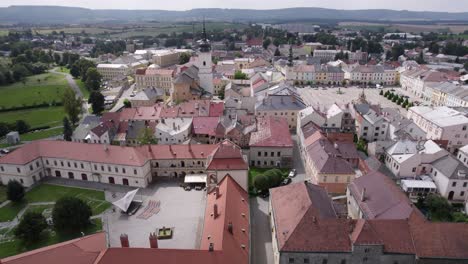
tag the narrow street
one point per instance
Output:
(261, 245)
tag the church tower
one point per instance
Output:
(205, 64)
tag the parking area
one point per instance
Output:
(325, 97)
(181, 210)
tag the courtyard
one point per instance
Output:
(325, 97)
(179, 209)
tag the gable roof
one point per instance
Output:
(226, 156)
(271, 132)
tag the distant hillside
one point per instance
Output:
(71, 15)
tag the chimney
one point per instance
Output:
(211, 247)
(124, 241)
(215, 211)
(173, 126)
(106, 148)
(230, 227)
(363, 195)
(153, 239)
(293, 98)
(149, 148)
(217, 192)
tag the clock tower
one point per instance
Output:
(205, 64)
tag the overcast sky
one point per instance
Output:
(419, 5)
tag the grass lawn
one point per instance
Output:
(51, 116)
(50, 237)
(82, 88)
(42, 134)
(63, 69)
(3, 195)
(50, 88)
(254, 171)
(9, 211)
(51, 193)
(39, 208)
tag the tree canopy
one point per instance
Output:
(71, 214)
(30, 227)
(15, 191)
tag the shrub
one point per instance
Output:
(30, 227)
(71, 214)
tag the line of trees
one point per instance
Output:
(399, 100)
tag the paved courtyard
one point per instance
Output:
(181, 210)
(324, 98)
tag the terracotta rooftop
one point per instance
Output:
(227, 156)
(131, 156)
(84, 250)
(271, 132)
(205, 125)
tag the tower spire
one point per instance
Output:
(204, 30)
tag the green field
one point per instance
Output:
(3, 33)
(63, 69)
(37, 89)
(42, 134)
(83, 88)
(48, 116)
(51, 193)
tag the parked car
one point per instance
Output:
(4, 151)
(286, 181)
(198, 187)
(292, 173)
(265, 194)
(187, 188)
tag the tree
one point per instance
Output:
(57, 58)
(96, 99)
(261, 183)
(274, 177)
(30, 227)
(184, 58)
(127, 103)
(15, 191)
(4, 129)
(397, 51)
(266, 43)
(439, 208)
(72, 105)
(93, 79)
(420, 59)
(277, 52)
(21, 126)
(381, 92)
(75, 71)
(238, 75)
(67, 129)
(147, 137)
(71, 214)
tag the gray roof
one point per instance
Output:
(451, 167)
(281, 102)
(135, 129)
(149, 94)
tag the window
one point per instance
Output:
(55, 162)
(135, 172)
(291, 260)
(366, 128)
(109, 168)
(21, 180)
(102, 168)
(465, 184)
(37, 164)
(75, 165)
(116, 169)
(259, 153)
(123, 170)
(324, 261)
(414, 169)
(454, 184)
(279, 153)
(266, 154)
(30, 167)
(47, 162)
(343, 261)
(61, 163)
(82, 166)
(1, 168)
(68, 164)
(272, 154)
(462, 193)
(18, 170)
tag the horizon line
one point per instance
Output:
(253, 9)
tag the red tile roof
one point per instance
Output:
(132, 156)
(271, 132)
(84, 250)
(216, 109)
(187, 109)
(227, 156)
(205, 125)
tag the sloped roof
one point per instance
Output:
(84, 250)
(271, 132)
(228, 156)
(383, 199)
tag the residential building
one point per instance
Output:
(111, 71)
(271, 146)
(376, 196)
(173, 130)
(416, 80)
(164, 58)
(306, 229)
(450, 177)
(371, 74)
(147, 97)
(154, 77)
(409, 159)
(441, 123)
(370, 122)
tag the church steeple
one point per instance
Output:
(205, 43)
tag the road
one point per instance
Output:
(261, 246)
(76, 89)
(125, 95)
